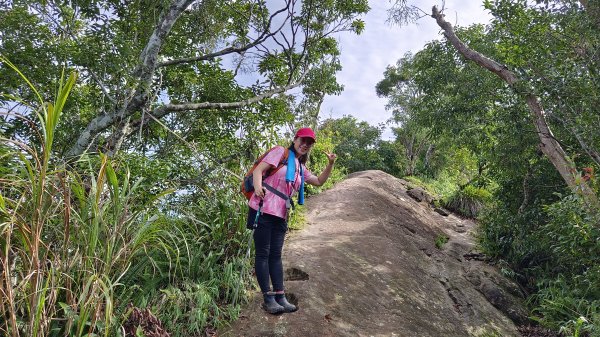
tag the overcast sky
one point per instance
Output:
(365, 57)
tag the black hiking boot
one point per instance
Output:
(287, 306)
(270, 305)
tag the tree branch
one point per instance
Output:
(167, 109)
(265, 35)
(548, 144)
(145, 73)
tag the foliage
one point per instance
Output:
(67, 238)
(542, 238)
(468, 201)
(80, 242)
(574, 235)
(435, 188)
(441, 240)
(554, 257)
(297, 218)
(318, 161)
(391, 153)
(204, 286)
(181, 63)
(356, 143)
(570, 306)
(416, 181)
(550, 45)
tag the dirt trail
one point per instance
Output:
(367, 265)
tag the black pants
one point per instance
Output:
(268, 243)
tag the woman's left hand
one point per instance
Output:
(331, 157)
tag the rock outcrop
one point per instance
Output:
(367, 264)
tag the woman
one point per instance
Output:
(272, 220)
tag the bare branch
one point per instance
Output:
(102, 86)
(239, 64)
(402, 14)
(265, 35)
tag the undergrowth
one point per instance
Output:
(82, 241)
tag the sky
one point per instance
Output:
(365, 57)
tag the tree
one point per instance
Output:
(545, 52)
(549, 145)
(465, 112)
(404, 95)
(357, 143)
(148, 61)
(434, 116)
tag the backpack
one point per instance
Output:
(247, 187)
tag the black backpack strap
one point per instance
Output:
(275, 191)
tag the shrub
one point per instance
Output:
(553, 252)
(468, 201)
(570, 305)
(441, 240)
(571, 235)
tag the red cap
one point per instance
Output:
(306, 133)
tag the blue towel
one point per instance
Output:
(291, 167)
(290, 175)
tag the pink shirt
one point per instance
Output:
(273, 204)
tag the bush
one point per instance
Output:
(441, 240)
(468, 201)
(571, 235)
(570, 305)
(553, 252)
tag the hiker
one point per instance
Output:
(273, 197)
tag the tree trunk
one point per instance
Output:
(548, 144)
(428, 156)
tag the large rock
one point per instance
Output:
(420, 195)
(367, 265)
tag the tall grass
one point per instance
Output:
(468, 201)
(31, 268)
(199, 280)
(80, 242)
(67, 238)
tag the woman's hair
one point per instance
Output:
(303, 158)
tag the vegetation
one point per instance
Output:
(469, 201)
(357, 143)
(130, 198)
(80, 243)
(122, 193)
(441, 240)
(523, 133)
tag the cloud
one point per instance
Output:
(365, 57)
